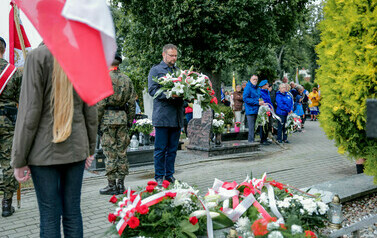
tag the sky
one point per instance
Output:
(33, 36)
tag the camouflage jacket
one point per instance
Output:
(10, 94)
(123, 97)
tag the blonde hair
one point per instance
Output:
(61, 104)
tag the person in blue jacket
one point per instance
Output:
(284, 108)
(265, 95)
(251, 96)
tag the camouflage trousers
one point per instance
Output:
(8, 183)
(115, 140)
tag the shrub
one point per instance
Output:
(348, 76)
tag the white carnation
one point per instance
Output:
(263, 198)
(243, 225)
(322, 207)
(309, 205)
(296, 229)
(272, 226)
(275, 234)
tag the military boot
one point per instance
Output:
(8, 210)
(110, 189)
(120, 186)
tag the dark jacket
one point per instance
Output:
(284, 103)
(166, 112)
(32, 144)
(237, 101)
(265, 95)
(251, 97)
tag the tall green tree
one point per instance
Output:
(348, 76)
(210, 34)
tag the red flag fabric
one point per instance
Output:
(16, 56)
(77, 46)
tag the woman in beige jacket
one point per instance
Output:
(54, 139)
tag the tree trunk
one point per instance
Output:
(215, 78)
(278, 59)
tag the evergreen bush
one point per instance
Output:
(348, 76)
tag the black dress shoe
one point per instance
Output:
(265, 143)
(286, 142)
(171, 179)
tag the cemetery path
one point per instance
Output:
(309, 159)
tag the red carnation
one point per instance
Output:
(133, 197)
(133, 222)
(310, 234)
(113, 199)
(165, 184)
(111, 217)
(152, 183)
(213, 100)
(193, 220)
(150, 188)
(170, 194)
(282, 226)
(247, 191)
(143, 209)
(259, 227)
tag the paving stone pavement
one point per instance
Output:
(309, 159)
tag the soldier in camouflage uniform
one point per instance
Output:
(8, 113)
(115, 116)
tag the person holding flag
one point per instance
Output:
(10, 85)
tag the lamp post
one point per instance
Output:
(335, 213)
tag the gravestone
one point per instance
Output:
(199, 130)
(371, 127)
(148, 104)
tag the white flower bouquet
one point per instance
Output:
(218, 126)
(189, 85)
(144, 126)
(293, 123)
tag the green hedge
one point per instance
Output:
(348, 76)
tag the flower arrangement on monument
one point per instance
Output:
(217, 126)
(256, 207)
(293, 123)
(175, 210)
(144, 126)
(189, 85)
(267, 208)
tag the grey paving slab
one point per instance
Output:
(309, 159)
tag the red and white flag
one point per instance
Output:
(81, 36)
(16, 56)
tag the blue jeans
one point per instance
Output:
(251, 123)
(58, 189)
(165, 150)
(282, 131)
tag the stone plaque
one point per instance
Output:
(371, 127)
(148, 103)
(199, 130)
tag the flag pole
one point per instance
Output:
(19, 33)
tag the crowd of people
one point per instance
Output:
(281, 97)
